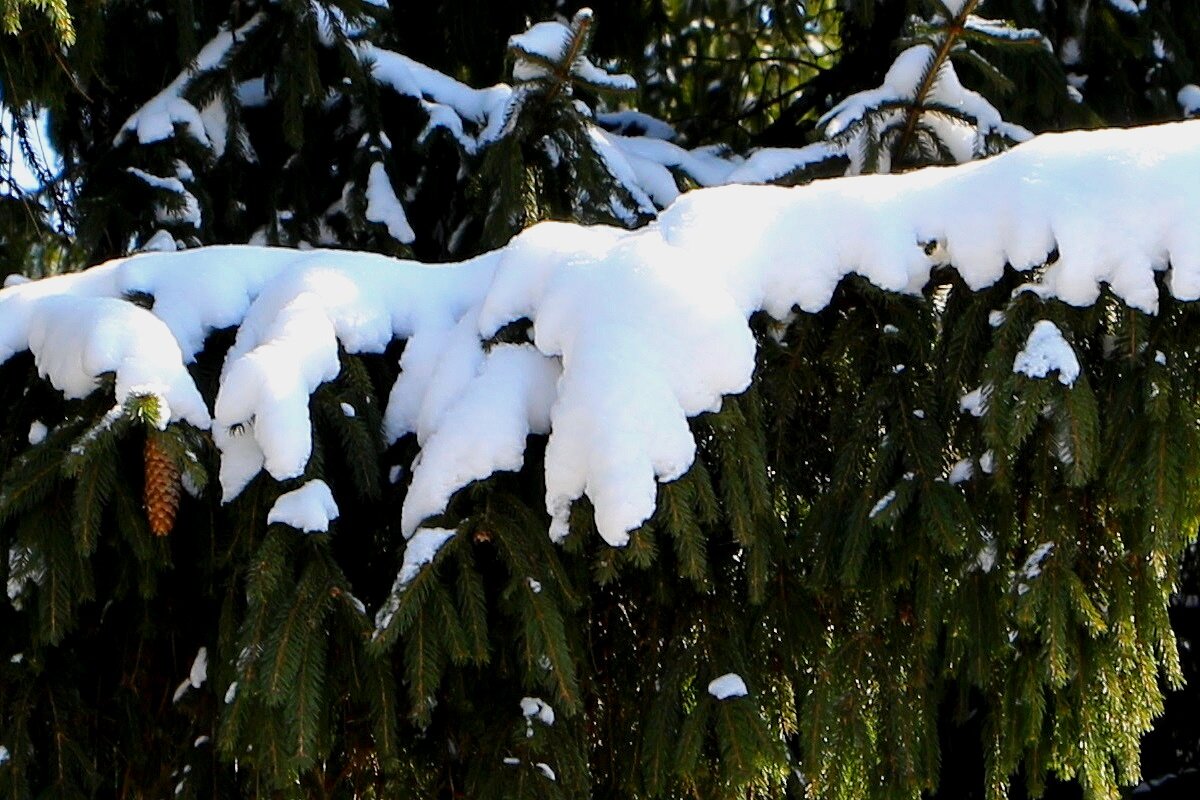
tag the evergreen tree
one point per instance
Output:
(889, 543)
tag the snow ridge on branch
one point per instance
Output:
(632, 332)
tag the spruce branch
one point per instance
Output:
(581, 25)
(951, 33)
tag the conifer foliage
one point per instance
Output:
(932, 514)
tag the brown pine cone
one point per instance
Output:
(162, 488)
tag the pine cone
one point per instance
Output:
(162, 487)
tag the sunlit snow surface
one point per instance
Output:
(632, 332)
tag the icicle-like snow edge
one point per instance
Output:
(633, 332)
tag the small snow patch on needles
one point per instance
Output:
(882, 504)
(421, 549)
(310, 508)
(1189, 100)
(532, 707)
(37, 432)
(961, 471)
(1046, 351)
(156, 120)
(727, 686)
(1128, 6)
(1033, 564)
(974, 402)
(198, 674)
(383, 206)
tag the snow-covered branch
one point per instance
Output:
(633, 332)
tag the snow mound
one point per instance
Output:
(75, 339)
(632, 332)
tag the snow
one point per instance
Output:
(882, 504)
(727, 686)
(962, 470)
(77, 338)
(161, 242)
(198, 674)
(1189, 100)
(589, 73)
(974, 402)
(633, 332)
(189, 214)
(4, 755)
(511, 762)
(543, 42)
(538, 52)
(37, 432)
(25, 567)
(985, 559)
(847, 122)
(1033, 564)
(156, 120)
(771, 164)
(231, 693)
(636, 123)
(1005, 30)
(1071, 52)
(537, 708)
(383, 205)
(474, 117)
(1128, 6)
(544, 768)
(421, 548)
(487, 411)
(645, 165)
(1046, 351)
(310, 508)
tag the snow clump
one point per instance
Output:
(310, 508)
(1046, 351)
(727, 686)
